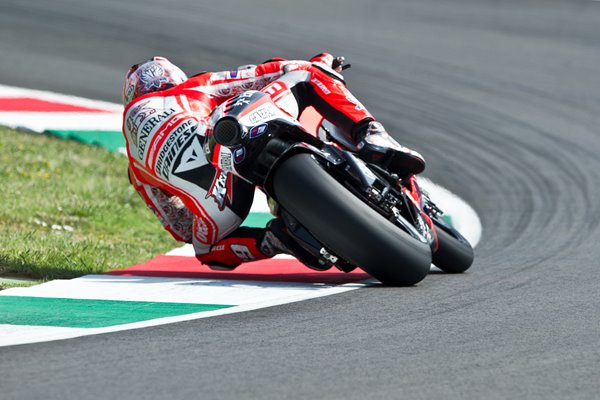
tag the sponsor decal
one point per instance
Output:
(233, 74)
(135, 117)
(239, 155)
(206, 148)
(202, 231)
(321, 86)
(242, 252)
(225, 161)
(166, 130)
(193, 157)
(262, 114)
(258, 131)
(218, 190)
(243, 99)
(148, 127)
(178, 138)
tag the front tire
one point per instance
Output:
(346, 225)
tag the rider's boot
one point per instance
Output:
(376, 146)
(252, 244)
(245, 244)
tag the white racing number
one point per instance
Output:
(242, 252)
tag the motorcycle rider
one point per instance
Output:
(164, 123)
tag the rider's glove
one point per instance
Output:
(338, 64)
(330, 61)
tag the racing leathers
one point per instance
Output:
(196, 201)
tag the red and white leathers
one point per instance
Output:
(196, 202)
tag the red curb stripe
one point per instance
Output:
(29, 104)
(272, 270)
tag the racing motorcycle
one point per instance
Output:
(338, 209)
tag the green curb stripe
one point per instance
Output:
(257, 219)
(79, 313)
(448, 219)
(111, 140)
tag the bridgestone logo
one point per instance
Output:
(174, 142)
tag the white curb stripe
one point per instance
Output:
(170, 290)
(248, 295)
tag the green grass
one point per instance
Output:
(9, 284)
(67, 209)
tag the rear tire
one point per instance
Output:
(346, 225)
(454, 254)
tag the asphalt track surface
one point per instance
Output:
(501, 97)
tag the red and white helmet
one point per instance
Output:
(153, 75)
